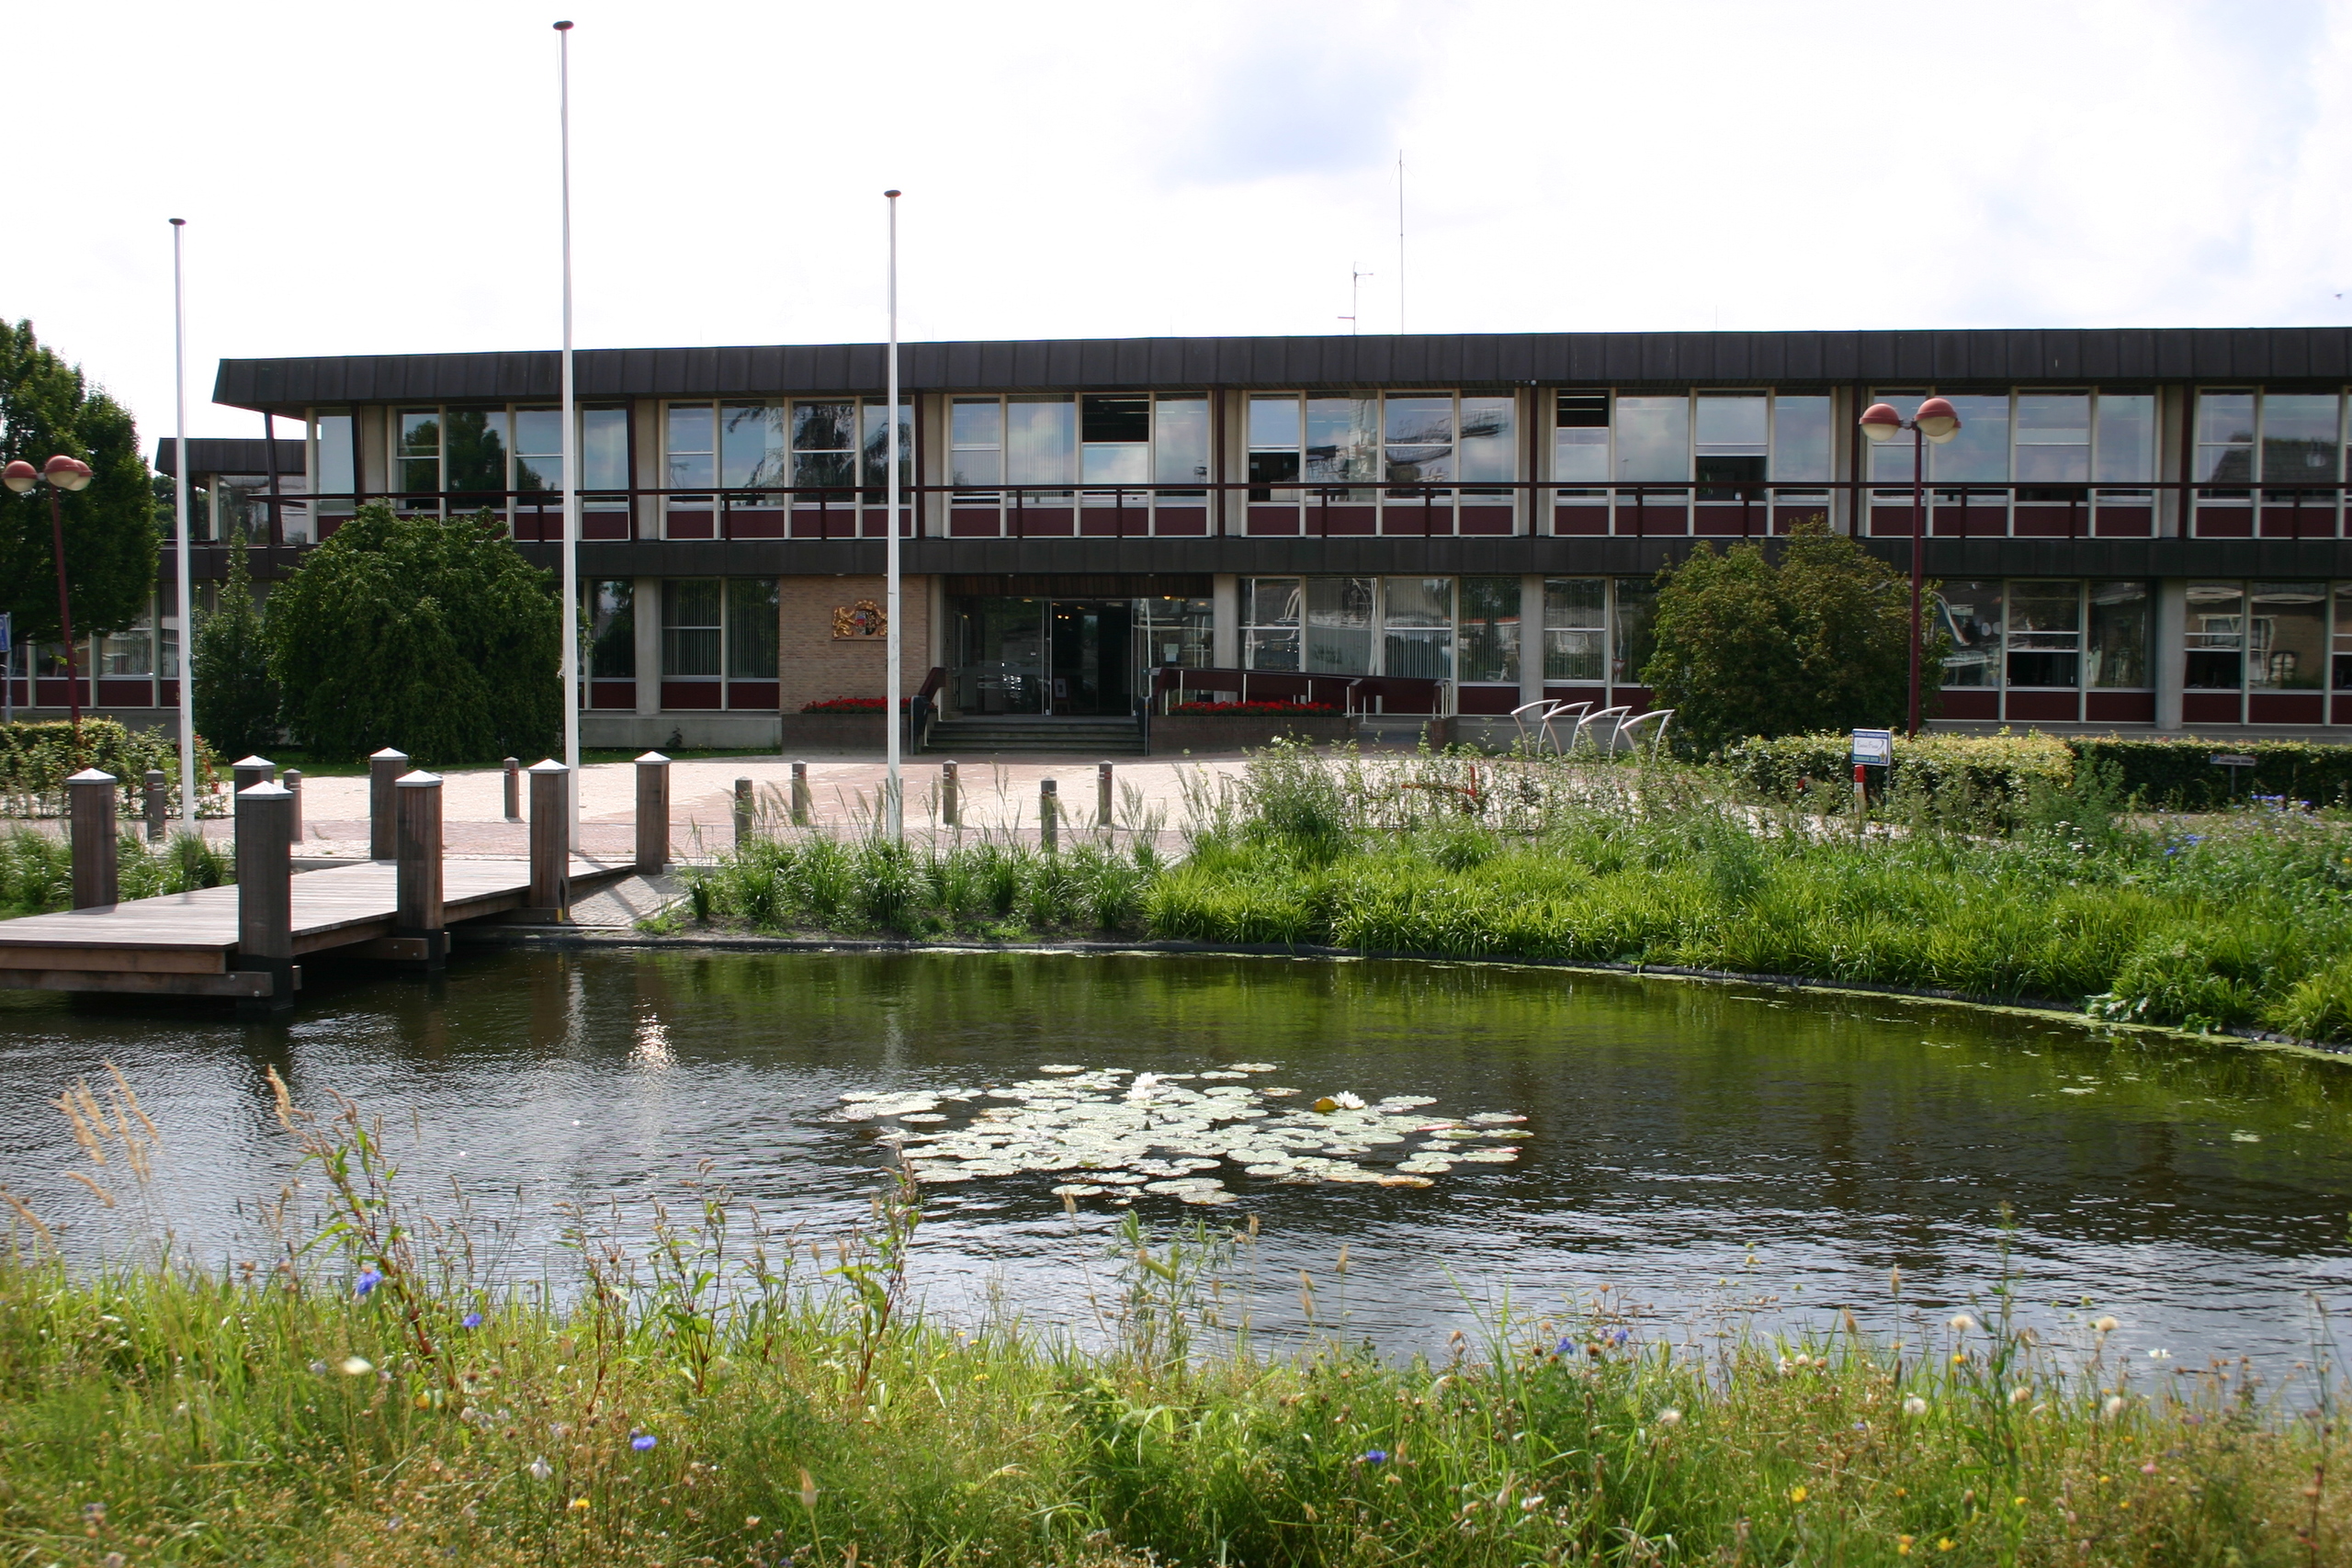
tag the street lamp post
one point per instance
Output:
(60, 473)
(1939, 421)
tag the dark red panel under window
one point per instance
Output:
(1334, 521)
(876, 528)
(1485, 519)
(167, 694)
(1637, 698)
(1786, 518)
(327, 525)
(1593, 695)
(2224, 521)
(1041, 521)
(755, 522)
(691, 526)
(612, 694)
(841, 522)
(2049, 522)
(1410, 518)
(1890, 522)
(2285, 707)
(605, 525)
(2120, 707)
(754, 695)
(1716, 521)
(1112, 521)
(975, 523)
(52, 692)
(1273, 520)
(2315, 520)
(123, 692)
(2044, 707)
(691, 693)
(1180, 520)
(1579, 519)
(2209, 707)
(1969, 702)
(1486, 699)
(2125, 521)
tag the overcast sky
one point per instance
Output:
(371, 179)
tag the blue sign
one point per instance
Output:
(7, 631)
(1874, 746)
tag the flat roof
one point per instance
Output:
(232, 454)
(1994, 356)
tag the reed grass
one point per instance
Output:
(37, 869)
(730, 1391)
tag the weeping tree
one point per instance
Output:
(236, 700)
(433, 635)
(1818, 640)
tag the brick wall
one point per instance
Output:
(816, 667)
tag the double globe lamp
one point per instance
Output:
(1939, 421)
(60, 473)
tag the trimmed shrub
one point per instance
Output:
(37, 757)
(2179, 774)
(2003, 768)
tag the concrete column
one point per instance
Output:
(951, 804)
(293, 779)
(652, 812)
(251, 771)
(550, 834)
(1531, 637)
(645, 612)
(512, 768)
(416, 874)
(384, 768)
(1224, 625)
(1104, 799)
(1050, 815)
(158, 805)
(266, 893)
(2168, 653)
(90, 805)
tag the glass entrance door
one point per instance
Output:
(1093, 651)
(1001, 656)
(1045, 656)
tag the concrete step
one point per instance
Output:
(1111, 735)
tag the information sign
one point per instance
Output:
(1874, 748)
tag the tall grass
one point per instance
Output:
(736, 1392)
(37, 869)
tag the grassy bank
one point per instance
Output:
(733, 1393)
(2053, 890)
(37, 869)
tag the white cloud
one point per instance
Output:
(362, 180)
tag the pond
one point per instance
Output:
(1712, 1153)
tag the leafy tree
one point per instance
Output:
(435, 637)
(47, 408)
(236, 702)
(1818, 641)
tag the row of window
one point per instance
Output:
(1594, 628)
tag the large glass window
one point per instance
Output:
(1270, 622)
(1653, 438)
(2301, 441)
(2343, 641)
(418, 457)
(538, 449)
(335, 463)
(2118, 649)
(2225, 437)
(2215, 635)
(1342, 441)
(1971, 618)
(612, 629)
(1420, 447)
(752, 446)
(131, 652)
(1489, 449)
(1575, 629)
(1733, 439)
(1180, 631)
(878, 449)
(2054, 438)
(604, 448)
(1339, 625)
(1580, 438)
(1114, 438)
(692, 615)
(2045, 634)
(1800, 442)
(751, 628)
(477, 453)
(1040, 440)
(1180, 440)
(2286, 636)
(1273, 444)
(1490, 623)
(693, 452)
(824, 444)
(1633, 635)
(975, 441)
(1981, 451)
(1417, 627)
(2125, 452)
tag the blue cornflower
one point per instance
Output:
(1623, 1334)
(641, 1441)
(368, 1280)
(1375, 1456)
(1566, 1347)
(471, 1320)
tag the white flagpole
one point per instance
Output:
(180, 566)
(895, 813)
(571, 417)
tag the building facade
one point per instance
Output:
(2135, 530)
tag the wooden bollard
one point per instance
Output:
(801, 805)
(251, 771)
(158, 805)
(951, 807)
(742, 811)
(90, 803)
(292, 779)
(550, 838)
(652, 812)
(416, 867)
(1103, 795)
(513, 767)
(266, 894)
(1049, 811)
(384, 768)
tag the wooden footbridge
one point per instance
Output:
(245, 942)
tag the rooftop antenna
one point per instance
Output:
(1400, 241)
(1355, 284)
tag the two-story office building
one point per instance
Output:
(2136, 529)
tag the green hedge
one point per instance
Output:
(37, 757)
(2180, 774)
(1986, 767)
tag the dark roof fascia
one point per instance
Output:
(232, 454)
(1955, 358)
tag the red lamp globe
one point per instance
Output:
(66, 473)
(1938, 420)
(19, 476)
(1880, 423)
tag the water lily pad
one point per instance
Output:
(1077, 1189)
(1490, 1157)
(1061, 1067)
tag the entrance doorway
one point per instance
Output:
(1045, 657)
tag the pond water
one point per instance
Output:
(1710, 1152)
